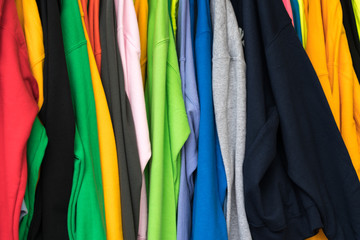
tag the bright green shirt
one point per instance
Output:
(356, 7)
(167, 120)
(86, 208)
(36, 147)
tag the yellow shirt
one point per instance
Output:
(142, 13)
(30, 21)
(107, 147)
(303, 22)
(173, 15)
(329, 53)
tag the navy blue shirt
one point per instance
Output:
(298, 176)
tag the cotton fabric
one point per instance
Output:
(174, 7)
(57, 169)
(356, 7)
(229, 94)
(112, 77)
(329, 52)
(86, 209)
(286, 107)
(30, 22)
(36, 147)
(18, 105)
(352, 34)
(142, 12)
(109, 67)
(287, 5)
(94, 30)
(129, 46)
(296, 17)
(210, 184)
(303, 22)
(107, 147)
(168, 124)
(189, 152)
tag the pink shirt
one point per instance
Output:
(287, 5)
(129, 45)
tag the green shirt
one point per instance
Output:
(86, 208)
(36, 147)
(167, 120)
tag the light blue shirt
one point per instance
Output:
(189, 153)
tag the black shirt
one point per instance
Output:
(112, 77)
(298, 176)
(56, 173)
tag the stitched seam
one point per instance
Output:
(76, 46)
(162, 41)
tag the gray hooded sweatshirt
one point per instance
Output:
(229, 93)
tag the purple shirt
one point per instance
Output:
(189, 153)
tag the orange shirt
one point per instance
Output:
(94, 30)
(329, 53)
(141, 8)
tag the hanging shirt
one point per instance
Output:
(57, 169)
(107, 147)
(36, 147)
(18, 107)
(317, 54)
(109, 63)
(86, 17)
(210, 184)
(86, 209)
(189, 152)
(329, 52)
(296, 17)
(292, 135)
(30, 21)
(192, 23)
(174, 7)
(302, 22)
(356, 7)
(330, 55)
(29, 17)
(94, 30)
(229, 93)
(142, 12)
(129, 45)
(167, 120)
(351, 34)
(287, 5)
(128, 157)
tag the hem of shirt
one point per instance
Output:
(141, 238)
(299, 227)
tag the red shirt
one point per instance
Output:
(18, 108)
(94, 31)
